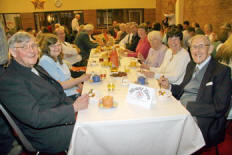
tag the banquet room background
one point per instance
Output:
(153, 10)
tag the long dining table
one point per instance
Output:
(166, 128)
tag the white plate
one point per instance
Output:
(163, 94)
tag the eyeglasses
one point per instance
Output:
(55, 45)
(28, 46)
(201, 46)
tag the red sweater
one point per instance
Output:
(142, 47)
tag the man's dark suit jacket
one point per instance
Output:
(134, 42)
(83, 42)
(212, 101)
(39, 107)
(6, 136)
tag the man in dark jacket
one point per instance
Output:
(135, 38)
(35, 100)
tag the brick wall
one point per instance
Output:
(90, 17)
(27, 20)
(149, 15)
(215, 12)
(164, 7)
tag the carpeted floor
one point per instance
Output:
(224, 148)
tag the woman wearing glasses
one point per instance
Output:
(52, 61)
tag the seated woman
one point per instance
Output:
(52, 62)
(156, 52)
(175, 60)
(143, 45)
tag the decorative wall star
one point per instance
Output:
(38, 4)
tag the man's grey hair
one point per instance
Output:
(89, 27)
(201, 36)
(20, 37)
(3, 46)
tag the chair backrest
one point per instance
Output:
(21, 137)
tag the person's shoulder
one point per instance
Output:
(82, 35)
(45, 61)
(9, 75)
(219, 67)
(169, 51)
(164, 47)
(184, 52)
(45, 58)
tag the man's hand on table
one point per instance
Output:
(163, 82)
(81, 103)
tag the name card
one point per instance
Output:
(140, 95)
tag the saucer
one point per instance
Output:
(163, 94)
(146, 83)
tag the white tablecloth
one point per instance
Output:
(165, 129)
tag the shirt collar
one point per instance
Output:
(200, 66)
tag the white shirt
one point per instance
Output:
(35, 71)
(70, 53)
(200, 66)
(173, 66)
(124, 41)
(75, 25)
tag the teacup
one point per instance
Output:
(141, 80)
(96, 78)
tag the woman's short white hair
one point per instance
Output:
(154, 35)
(89, 27)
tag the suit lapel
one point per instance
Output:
(189, 73)
(206, 78)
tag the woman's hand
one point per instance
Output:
(85, 77)
(148, 74)
(144, 66)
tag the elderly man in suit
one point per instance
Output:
(84, 43)
(205, 90)
(36, 101)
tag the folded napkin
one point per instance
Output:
(114, 58)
